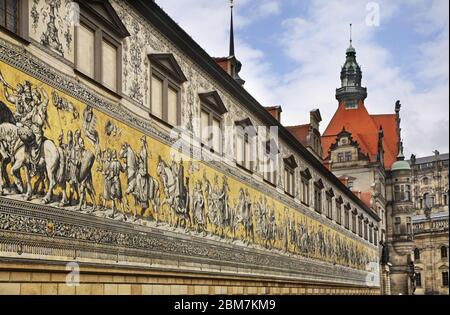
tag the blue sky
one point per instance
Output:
(292, 51)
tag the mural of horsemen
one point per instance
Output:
(59, 152)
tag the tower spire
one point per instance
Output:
(232, 52)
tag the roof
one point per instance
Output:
(300, 133)
(364, 129)
(431, 159)
(169, 28)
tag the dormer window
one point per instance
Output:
(245, 144)
(166, 80)
(212, 112)
(98, 44)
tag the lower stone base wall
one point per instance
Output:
(23, 280)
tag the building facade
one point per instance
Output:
(430, 223)
(411, 197)
(112, 183)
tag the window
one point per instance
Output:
(9, 15)
(270, 173)
(98, 52)
(375, 237)
(341, 157)
(397, 223)
(350, 185)
(371, 234)
(211, 120)
(417, 254)
(402, 193)
(347, 217)
(348, 156)
(425, 181)
(289, 175)
(418, 280)
(318, 187)
(360, 226)
(165, 89)
(354, 222)
(445, 200)
(306, 191)
(339, 211)
(351, 104)
(329, 209)
(245, 144)
(289, 181)
(428, 201)
(409, 226)
(366, 231)
(445, 278)
(444, 252)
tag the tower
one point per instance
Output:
(351, 94)
(400, 235)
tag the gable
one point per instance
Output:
(213, 100)
(168, 64)
(102, 11)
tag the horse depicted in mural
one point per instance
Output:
(14, 149)
(175, 191)
(143, 188)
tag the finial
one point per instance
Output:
(231, 4)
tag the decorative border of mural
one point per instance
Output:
(24, 227)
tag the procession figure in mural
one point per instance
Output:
(141, 185)
(83, 176)
(244, 216)
(115, 188)
(175, 191)
(198, 208)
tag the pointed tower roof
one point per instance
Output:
(351, 77)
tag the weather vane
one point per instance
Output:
(351, 38)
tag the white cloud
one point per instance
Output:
(314, 44)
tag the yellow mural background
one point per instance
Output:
(63, 121)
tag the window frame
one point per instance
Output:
(212, 114)
(101, 34)
(444, 252)
(318, 196)
(347, 210)
(445, 278)
(167, 82)
(249, 141)
(339, 204)
(21, 34)
(305, 182)
(417, 254)
(270, 177)
(329, 195)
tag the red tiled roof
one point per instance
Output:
(364, 129)
(300, 133)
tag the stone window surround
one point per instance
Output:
(167, 82)
(290, 165)
(214, 113)
(242, 128)
(22, 34)
(101, 34)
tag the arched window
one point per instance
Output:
(444, 252)
(416, 254)
(425, 181)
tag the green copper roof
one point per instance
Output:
(401, 166)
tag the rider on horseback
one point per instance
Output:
(31, 128)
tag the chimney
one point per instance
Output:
(275, 111)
